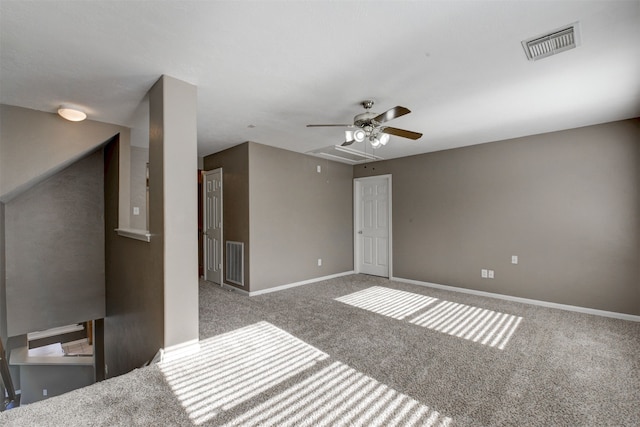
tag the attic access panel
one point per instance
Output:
(344, 154)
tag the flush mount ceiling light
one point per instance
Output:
(554, 42)
(71, 113)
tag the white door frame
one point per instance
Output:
(204, 220)
(357, 209)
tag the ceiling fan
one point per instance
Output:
(370, 126)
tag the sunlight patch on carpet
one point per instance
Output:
(476, 324)
(339, 395)
(234, 367)
(388, 302)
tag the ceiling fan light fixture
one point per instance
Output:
(359, 135)
(71, 113)
(379, 140)
(369, 125)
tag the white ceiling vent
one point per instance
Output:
(556, 41)
(343, 154)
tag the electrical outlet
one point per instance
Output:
(491, 274)
(514, 259)
(484, 273)
(44, 392)
(136, 210)
(319, 262)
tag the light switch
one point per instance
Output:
(491, 274)
(319, 168)
(514, 259)
(136, 210)
(484, 273)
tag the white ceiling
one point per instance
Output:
(459, 66)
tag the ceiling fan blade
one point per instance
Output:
(316, 126)
(344, 144)
(391, 114)
(401, 132)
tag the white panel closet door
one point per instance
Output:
(372, 226)
(212, 240)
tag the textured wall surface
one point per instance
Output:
(134, 326)
(35, 145)
(287, 214)
(235, 204)
(55, 250)
(298, 216)
(3, 287)
(139, 160)
(567, 203)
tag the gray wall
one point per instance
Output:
(57, 379)
(147, 307)
(55, 250)
(3, 287)
(567, 203)
(134, 323)
(298, 215)
(235, 204)
(139, 160)
(35, 145)
(286, 213)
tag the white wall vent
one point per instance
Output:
(556, 41)
(235, 263)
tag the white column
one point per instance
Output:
(173, 168)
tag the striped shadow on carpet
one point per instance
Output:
(304, 387)
(339, 395)
(234, 367)
(476, 324)
(388, 302)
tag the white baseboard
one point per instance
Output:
(177, 351)
(304, 282)
(586, 310)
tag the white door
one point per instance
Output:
(373, 225)
(212, 226)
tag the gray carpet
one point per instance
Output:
(361, 350)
